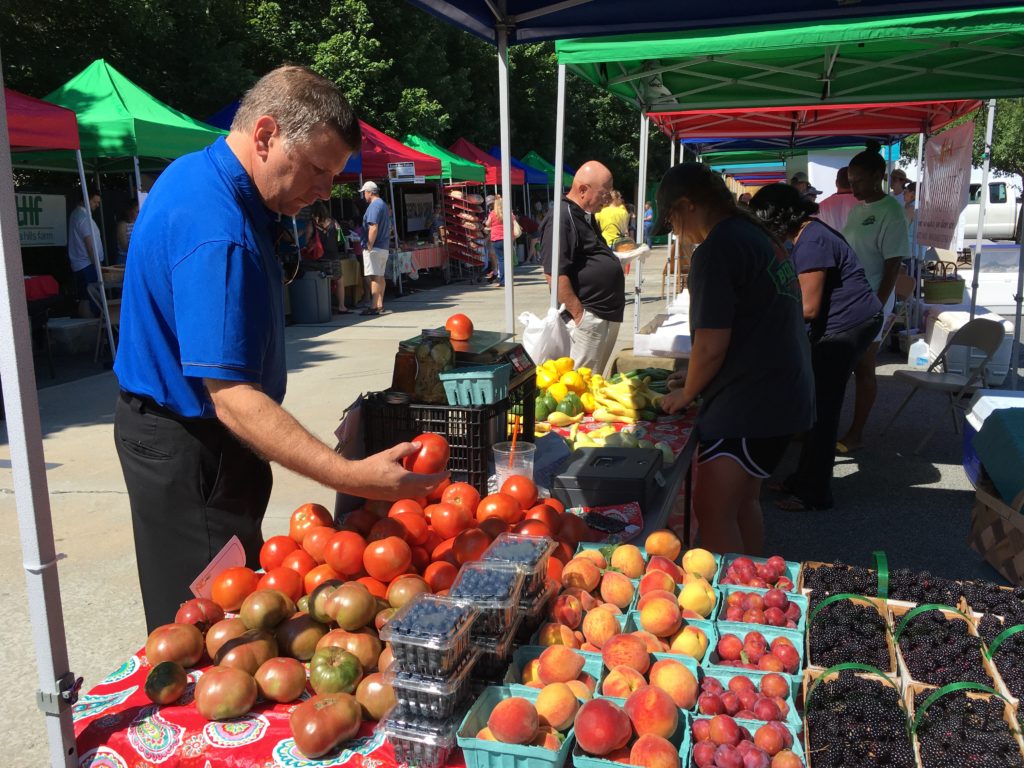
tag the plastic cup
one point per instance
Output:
(521, 460)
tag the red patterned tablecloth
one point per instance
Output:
(673, 430)
(116, 726)
(429, 257)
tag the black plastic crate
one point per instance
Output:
(471, 431)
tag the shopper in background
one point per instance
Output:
(496, 226)
(750, 358)
(897, 182)
(327, 229)
(591, 283)
(835, 209)
(490, 257)
(842, 314)
(376, 240)
(876, 229)
(201, 364)
(648, 221)
(613, 219)
(125, 225)
(85, 250)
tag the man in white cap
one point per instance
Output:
(376, 236)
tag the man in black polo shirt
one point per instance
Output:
(591, 283)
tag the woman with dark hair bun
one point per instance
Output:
(876, 229)
(843, 315)
(750, 360)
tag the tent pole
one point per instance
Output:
(641, 195)
(976, 265)
(96, 259)
(919, 206)
(138, 175)
(556, 222)
(506, 174)
(1018, 297)
(57, 685)
(670, 295)
(394, 234)
(103, 217)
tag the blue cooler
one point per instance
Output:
(984, 402)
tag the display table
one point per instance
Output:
(429, 257)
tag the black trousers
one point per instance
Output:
(192, 486)
(833, 359)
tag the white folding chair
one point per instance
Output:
(114, 305)
(982, 334)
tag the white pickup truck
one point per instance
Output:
(1001, 210)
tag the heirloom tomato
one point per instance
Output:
(321, 723)
(225, 692)
(334, 670)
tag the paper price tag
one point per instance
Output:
(232, 555)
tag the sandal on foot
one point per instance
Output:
(369, 311)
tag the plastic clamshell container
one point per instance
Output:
(707, 627)
(534, 611)
(481, 753)
(792, 570)
(720, 608)
(525, 654)
(680, 739)
(494, 589)
(430, 697)
(527, 553)
(419, 744)
(434, 653)
(495, 654)
(752, 726)
(770, 634)
(476, 384)
(792, 719)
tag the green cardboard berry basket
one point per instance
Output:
(524, 654)
(680, 739)
(481, 753)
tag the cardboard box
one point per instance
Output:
(997, 532)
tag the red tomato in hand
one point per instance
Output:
(275, 550)
(305, 517)
(230, 587)
(284, 580)
(432, 456)
(499, 505)
(462, 495)
(522, 489)
(449, 520)
(387, 558)
(344, 553)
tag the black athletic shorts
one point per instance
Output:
(759, 456)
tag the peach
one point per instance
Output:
(769, 739)
(611, 607)
(556, 706)
(626, 650)
(652, 710)
(557, 634)
(676, 680)
(652, 643)
(617, 589)
(621, 682)
(566, 610)
(599, 626)
(485, 734)
(590, 648)
(653, 580)
(692, 641)
(660, 617)
(587, 600)
(664, 543)
(594, 556)
(786, 759)
(697, 596)
(651, 751)
(619, 755)
(659, 563)
(531, 672)
(588, 681)
(547, 740)
(581, 572)
(602, 727)
(580, 690)
(700, 562)
(514, 721)
(558, 664)
(628, 559)
(650, 595)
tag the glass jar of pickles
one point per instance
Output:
(434, 356)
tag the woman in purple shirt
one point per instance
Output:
(843, 316)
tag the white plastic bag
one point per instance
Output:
(545, 338)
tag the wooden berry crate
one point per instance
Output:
(810, 565)
(1000, 684)
(880, 606)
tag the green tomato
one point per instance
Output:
(334, 670)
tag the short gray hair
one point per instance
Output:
(299, 100)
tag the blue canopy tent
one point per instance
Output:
(531, 176)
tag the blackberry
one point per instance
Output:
(986, 597)
(1009, 658)
(922, 587)
(839, 577)
(958, 730)
(848, 631)
(939, 651)
(858, 721)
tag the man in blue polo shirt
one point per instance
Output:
(201, 363)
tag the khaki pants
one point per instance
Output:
(593, 341)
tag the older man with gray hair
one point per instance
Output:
(201, 364)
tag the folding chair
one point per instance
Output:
(982, 334)
(114, 305)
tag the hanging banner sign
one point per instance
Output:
(42, 219)
(947, 179)
(401, 170)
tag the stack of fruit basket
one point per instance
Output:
(463, 224)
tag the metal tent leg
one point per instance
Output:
(506, 175)
(983, 200)
(556, 222)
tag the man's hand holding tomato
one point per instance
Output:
(383, 476)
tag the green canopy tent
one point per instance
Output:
(534, 160)
(452, 166)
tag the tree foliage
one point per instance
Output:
(402, 69)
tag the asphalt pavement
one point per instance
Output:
(916, 508)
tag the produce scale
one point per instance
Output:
(523, 629)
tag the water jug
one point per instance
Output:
(918, 356)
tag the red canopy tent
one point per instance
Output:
(898, 119)
(36, 124)
(470, 151)
(379, 149)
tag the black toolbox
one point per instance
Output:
(601, 477)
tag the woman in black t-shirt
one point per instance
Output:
(843, 316)
(750, 360)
